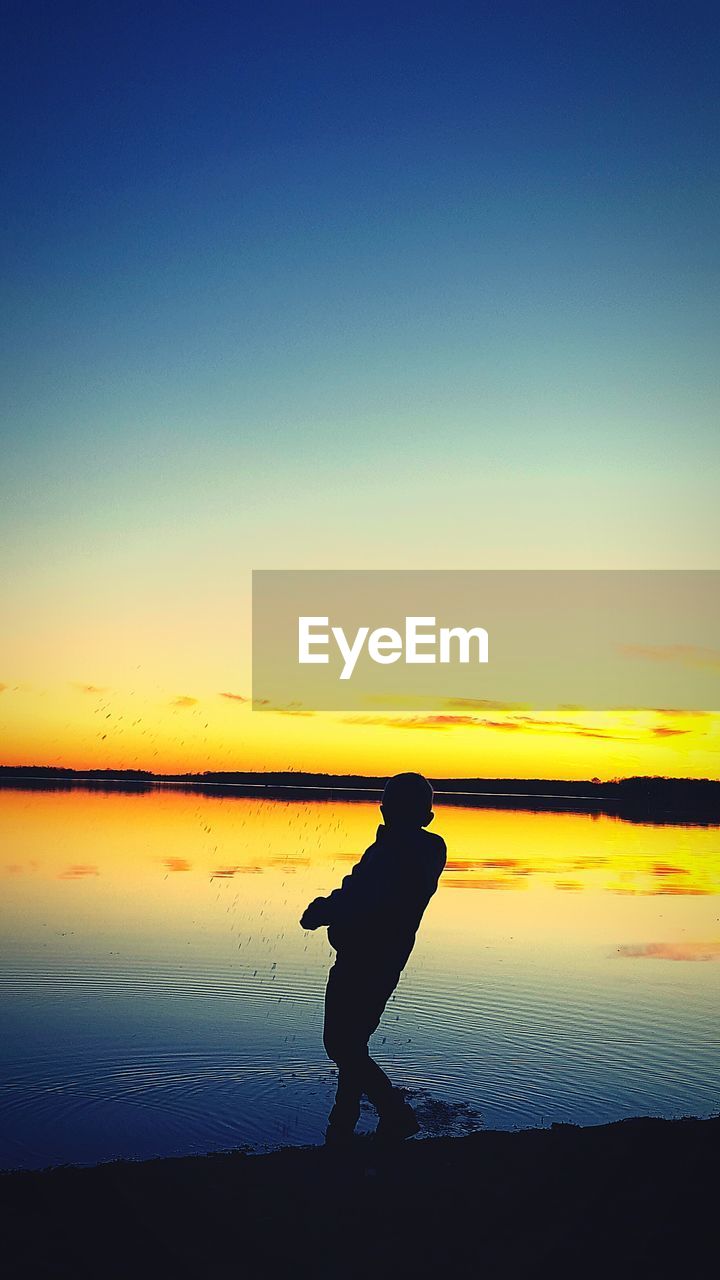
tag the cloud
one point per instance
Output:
(417, 702)
(184, 700)
(500, 724)
(551, 724)
(687, 655)
(515, 723)
(666, 869)
(177, 864)
(573, 728)
(477, 704)
(442, 721)
(292, 709)
(77, 871)
(235, 697)
(671, 951)
(678, 711)
(606, 735)
(88, 688)
(439, 721)
(3, 687)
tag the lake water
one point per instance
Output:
(159, 996)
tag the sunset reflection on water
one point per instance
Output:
(160, 995)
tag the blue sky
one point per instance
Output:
(349, 285)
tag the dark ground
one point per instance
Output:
(636, 1198)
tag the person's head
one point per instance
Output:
(407, 799)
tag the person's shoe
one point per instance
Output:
(397, 1124)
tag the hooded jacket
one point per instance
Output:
(374, 915)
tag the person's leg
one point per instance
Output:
(344, 1046)
(345, 1111)
(377, 988)
(377, 1086)
(359, 1074)
(354, 1003)
(396, 1116)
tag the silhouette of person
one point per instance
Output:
(372, 921)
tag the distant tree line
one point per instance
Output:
(637, 799)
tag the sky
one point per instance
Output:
(341, 286)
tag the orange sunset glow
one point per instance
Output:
(188, 729)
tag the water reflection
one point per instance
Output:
(672, 951)
(160, 997)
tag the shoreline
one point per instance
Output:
(639, 799)
(632, 1195)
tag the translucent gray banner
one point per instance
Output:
(409, 640)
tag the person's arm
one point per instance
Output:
(342, 901)
(314, 914)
